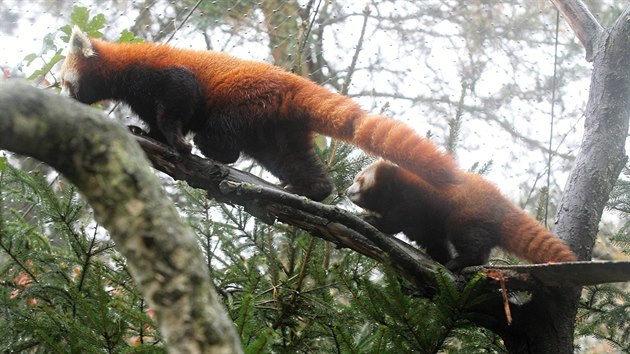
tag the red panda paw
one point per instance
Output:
(315, 191)
(182, 146)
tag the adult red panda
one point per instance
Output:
(472, 214)
(234, 106)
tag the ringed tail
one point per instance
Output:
(339, 117)
(526, 238)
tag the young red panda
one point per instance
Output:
(472, 215)
(233, 105)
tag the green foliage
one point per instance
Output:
(391, 320)
(481, 169)
(49, 61)
(605, 314)
(80, 17)
(63, 287)
(127, 36)
(226, 10)
(541, 206)
(620, 203)
(605, 309)
(343, 164)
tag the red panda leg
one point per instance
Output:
(308, 178)
(438, 251)
(292, 158)
(219, 147)
(473, 246)
(304, 174)
(386, 225)
(171, 129)
(169, 100)
(433, 241)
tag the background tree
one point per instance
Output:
(285, 289)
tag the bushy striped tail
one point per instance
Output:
(339, 117)
(397, 142)
(526, 238)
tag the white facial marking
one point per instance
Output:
(369, 176)
(363, 181)
(354, 191)
(70, 82)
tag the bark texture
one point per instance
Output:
(111, 171)
(546, 325)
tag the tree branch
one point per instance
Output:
(583, 23)
(107, 166)
(268, 202)
(602, 153)
(536, 276)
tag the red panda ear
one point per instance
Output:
(80, 43)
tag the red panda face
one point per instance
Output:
(69, 82)
(363, 183)
(80, 48)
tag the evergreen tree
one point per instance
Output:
(64, 287)
(605, 309)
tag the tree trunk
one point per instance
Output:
(546, 325)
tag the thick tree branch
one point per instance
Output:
(344, 229)
(269, 202)
(538, 276)
(107, 166)
(583, 23)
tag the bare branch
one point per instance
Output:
(269, 202)
(583, 23)
(355, 57)
(532, 276)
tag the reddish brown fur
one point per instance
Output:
(231, 82)
(472, 214)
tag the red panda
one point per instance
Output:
(233, 105)
(472, 215)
